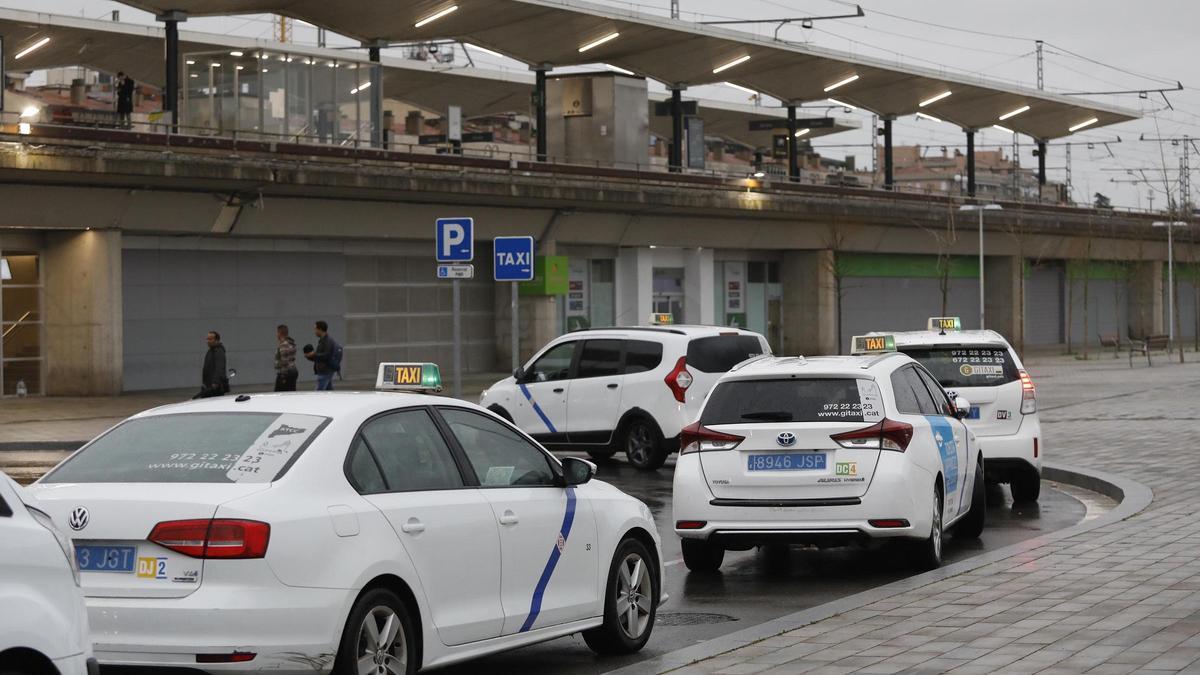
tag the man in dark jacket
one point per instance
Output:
(322, 357)
(285, 361)
(214, 377)
(125, 87)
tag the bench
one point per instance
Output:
(1111, 340)
(1161, 343)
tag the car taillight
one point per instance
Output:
(690, 524)
(232, 657)
(885, 435)
(679, 379)
(213, 538)
(1028, 394)
(696, 438)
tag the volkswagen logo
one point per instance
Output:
(787, 439)
(78, 518)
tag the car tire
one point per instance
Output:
(378, 609)
(601, 454)
(927, 553)
(630, 602)
(971, 526)
(1026, 489)
(643, 444)
(702, 556)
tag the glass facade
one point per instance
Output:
(748, 294)
(21, 362)
(277, 96)
(590, 301)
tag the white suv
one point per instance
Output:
(612, 389)
(43, 623)
(983, 367)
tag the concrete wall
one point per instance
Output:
(810, 322)
(83, 306)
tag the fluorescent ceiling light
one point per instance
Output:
(31, 111)
(32, 48)
(195, 75)
(5, 271)
(840, 83)
(739, 60)
(596, 43)
(235, 53)
(1014, 113)
(618, 69)
(1081, 125)
(239, 67)
(214, 64)
(801, 132)
(191, 62)
(265, 70)
(437, 15)
(843, 104)
(931, 118)
(484, 50)
(997, 126)
(934, 99)
(364, 85)
(739, 87)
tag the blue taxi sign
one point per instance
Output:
(945, 323)
(422, 377)
(872, 344)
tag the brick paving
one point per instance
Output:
(1121, 598)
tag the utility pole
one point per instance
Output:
(874, 148)
(283, 29)
(1041, 80)
(1068, 185)
(320, 37)
(674, 9)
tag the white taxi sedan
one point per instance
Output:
(983, 367)
(360, 532)
(826, 451)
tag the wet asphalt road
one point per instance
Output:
(756, 586)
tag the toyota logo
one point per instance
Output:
(786, 439)
(78, 518)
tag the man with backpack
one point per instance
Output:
(326, 358)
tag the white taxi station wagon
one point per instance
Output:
(983, 367)
(373, 532)
(827, 451)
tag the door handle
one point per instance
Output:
(559, 390)
(509, 518)
(412, 526)
(614, 385)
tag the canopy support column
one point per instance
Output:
(793, 145)
(376, 79)
(676, 159)
(170, 104)
(1041, 153)
(539, 104)
(970, 162)
(889, 179)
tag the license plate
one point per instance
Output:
(787, 462)
(106, 558)
(974, 414)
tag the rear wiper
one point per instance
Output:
(769, 416)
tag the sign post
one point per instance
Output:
(455, 243)
(513, 261)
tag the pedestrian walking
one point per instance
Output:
(214, 378)
(285, 360)
(125, 87)
(326, 357)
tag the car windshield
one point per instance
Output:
(957, 366)
(792, 400)
(223, 447)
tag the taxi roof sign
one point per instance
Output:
(945, 323)
(425, 377)
(661, 319)
(872, 344)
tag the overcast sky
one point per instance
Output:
(1091, 45)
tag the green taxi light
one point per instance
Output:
(945, 323)
(872, 344)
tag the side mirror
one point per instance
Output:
(962, 408)
(231, 374)
(577, 471)
(519, 375)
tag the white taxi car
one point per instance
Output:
(372, 532)
(43, 622)
(826, 451)
(983, 367)
(627, 389)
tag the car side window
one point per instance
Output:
(924, 399)
(906, 398)
(600, 358)
(642, 356)
(362, 469)
(411, 452)
(937, 392)
(553, 365)
(500, 456)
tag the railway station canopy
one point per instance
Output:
(557, 33)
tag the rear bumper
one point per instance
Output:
(1006, 456)
(288, 629)
(829, 521)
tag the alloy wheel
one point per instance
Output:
(382, 646)
(634, 596)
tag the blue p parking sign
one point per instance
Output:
(455, 240)
(513, 259)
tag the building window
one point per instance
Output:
(21, 323)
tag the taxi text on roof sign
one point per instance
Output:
(409, 377)
(869, 344)
(945, 323)
(661, 319)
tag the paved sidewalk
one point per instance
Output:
(1122, 598)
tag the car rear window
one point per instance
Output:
(719, 353)
(968, 365)
(793, 400)
(194, 448)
